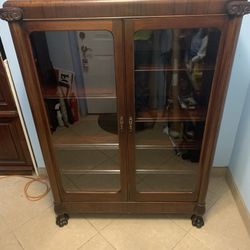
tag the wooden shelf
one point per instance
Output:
(50, 92)
(150, 68)
(166, 143)
(87, 142)
(138, 171)
(176, 113)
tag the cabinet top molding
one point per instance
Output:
(15, 10)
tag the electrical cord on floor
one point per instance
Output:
(42, 180)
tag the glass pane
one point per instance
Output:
(173, 75)
(77, 78)
(89, 170)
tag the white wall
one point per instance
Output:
(59, 47)
(240, 160)
(18, 80)
(237, 91)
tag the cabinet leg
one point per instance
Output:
(62, 220)
(197, 221)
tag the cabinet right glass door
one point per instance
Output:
(173, 71)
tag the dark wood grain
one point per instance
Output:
(14, 154)
(112, 8)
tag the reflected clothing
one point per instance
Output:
(161, 58)
(198, 45)
(151, 86)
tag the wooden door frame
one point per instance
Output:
(20, 32)
(219, 83)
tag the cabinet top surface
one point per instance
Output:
(37, 9)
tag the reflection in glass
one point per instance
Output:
(77, 79)
(173, 73)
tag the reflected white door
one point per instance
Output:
(97, 59)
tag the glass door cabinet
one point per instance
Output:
(127, 97)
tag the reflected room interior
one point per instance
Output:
(173, 74)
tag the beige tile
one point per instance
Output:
(15, 208)
(99, 221)
(9, 242)
(149, 159)
(3, 225)
(67, 183)
(112, 155)
(218, 185)
(79, 159)
(42, 233)
(183, 221)
(7, 181)
(97, 242)
(211, 199)
(223, 228)
(95, 182)
(168, 182)
(189, 242)
(143, 232)
(108, 164)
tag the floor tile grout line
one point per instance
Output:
(180, 240)
(6, 226)
(217, 201)
(173, 220)
(32, 218)
(89, 221)
(96, 233)
(107, 241)
(191, 235)
(98, 230)
(19, 242)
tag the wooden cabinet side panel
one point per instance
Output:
(13, 148)
(14, 154)
(6, 99)
(217, 100)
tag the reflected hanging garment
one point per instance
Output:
(162, 45)
(142, 58)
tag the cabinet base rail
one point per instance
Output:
(194, 209)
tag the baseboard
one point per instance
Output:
(238, 200)
(219, 171)
(42, 172)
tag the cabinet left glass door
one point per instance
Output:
(78, 82)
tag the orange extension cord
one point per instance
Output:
(42, 180)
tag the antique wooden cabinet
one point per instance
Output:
(14, 154)
(127, 98)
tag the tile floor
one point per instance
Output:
(31, 225)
